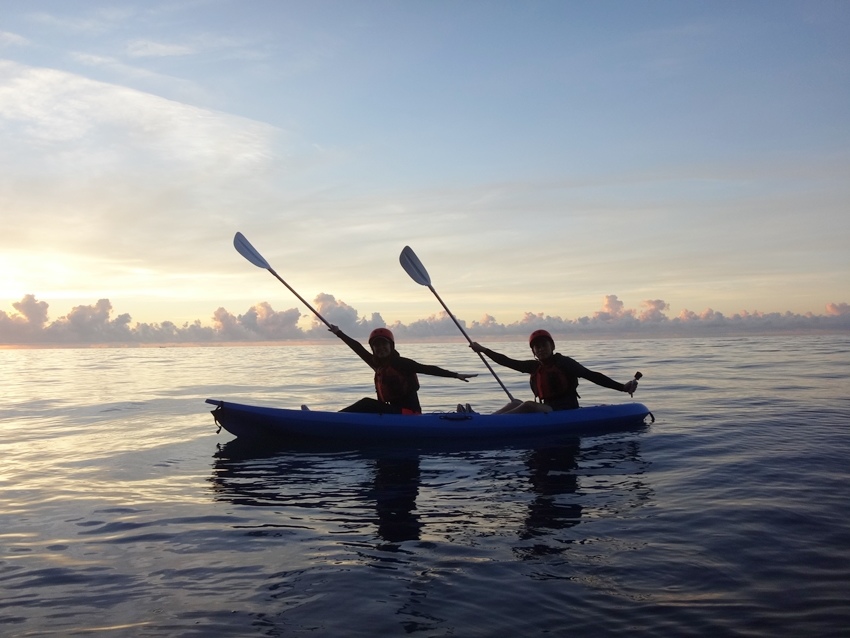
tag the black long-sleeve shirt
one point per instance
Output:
(568, 365)
(402, 364)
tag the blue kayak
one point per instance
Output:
(255, 422)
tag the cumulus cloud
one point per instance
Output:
(260, 322)
(263, 320)
(29, 324)
(335, 312)
(612, 309)
(84, 324)
(339, 313)
(34, 311)
(433, 326)
(487, 326)
(654, 311)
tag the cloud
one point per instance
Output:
(12, 39)
(35, 312)
(53, 107)
(340, 314)
(707, 316)
(123, 176)
(266, 323)
(94, 324)
(654, 311)
(132, 73)
(99, 21)
(84, 324)
(612, 309)
(838, 310)
(25, 326)
(222, 46)
(150, 49)
(434, 326)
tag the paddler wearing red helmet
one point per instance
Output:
(553, 376)
(396, 382)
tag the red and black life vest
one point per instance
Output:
(394, 386)
(552, 383)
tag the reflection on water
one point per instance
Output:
(412, 527)
(395, 485)
(333, 483)
(539, 493)
(552, 473)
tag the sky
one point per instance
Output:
(550, 163)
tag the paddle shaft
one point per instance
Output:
(304, 301)
(460, 327)
(247, 250)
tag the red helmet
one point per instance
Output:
(381, 333)
(540, 334)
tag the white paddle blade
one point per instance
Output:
(413, 267)
(244, 248)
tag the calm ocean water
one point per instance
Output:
(124, 513)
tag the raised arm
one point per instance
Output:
(355, 345)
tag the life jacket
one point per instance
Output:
(551, 382)
(394, 386)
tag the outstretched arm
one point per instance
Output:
(514, 364)
(607, 382)
(436, 371)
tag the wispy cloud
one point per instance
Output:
(151, 49)
(126, 160)
(94, 22)
(8, 39)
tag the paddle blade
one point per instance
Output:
(244, 248)
(413, 267)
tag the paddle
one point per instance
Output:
(411, 264)
(244, 248)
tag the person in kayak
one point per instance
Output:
(554, 377)
(395, 376)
